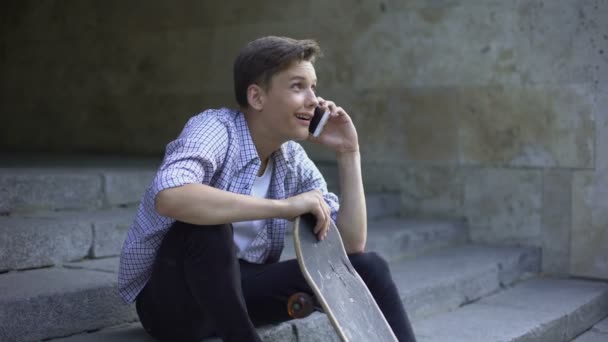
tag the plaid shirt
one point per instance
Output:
(215, 148)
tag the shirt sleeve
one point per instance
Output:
(195, 156)
(310, 178)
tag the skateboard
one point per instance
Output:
(343, 295)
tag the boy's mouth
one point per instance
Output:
(304, 117)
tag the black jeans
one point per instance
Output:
(199, 288)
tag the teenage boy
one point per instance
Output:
(202, 256)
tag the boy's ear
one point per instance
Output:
(255, 97)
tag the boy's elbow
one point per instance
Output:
(356, 247)
(162, 203)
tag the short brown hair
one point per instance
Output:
(262, 58)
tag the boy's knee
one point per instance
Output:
(202, 241)
(371, 265)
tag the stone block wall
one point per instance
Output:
(493, 110)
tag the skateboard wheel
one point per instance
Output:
(300, 305)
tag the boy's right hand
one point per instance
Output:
(310, 202)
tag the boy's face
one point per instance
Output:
(289, 102)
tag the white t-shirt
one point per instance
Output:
(246, 231)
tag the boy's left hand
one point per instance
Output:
(339, 133)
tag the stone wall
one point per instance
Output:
(493, 110)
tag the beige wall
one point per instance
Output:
(493, 110)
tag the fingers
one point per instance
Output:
(321, 102)
(340, 111)
(324, 228)
(326, 105)
(312, 202)
(323, 234)
(323, 214)
(321, 219)
(336, 111)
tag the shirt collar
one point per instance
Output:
(280, 156)
(248, 152)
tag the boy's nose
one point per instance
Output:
(313, 101)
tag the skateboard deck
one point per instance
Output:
(345, 298)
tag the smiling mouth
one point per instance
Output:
(304, 117)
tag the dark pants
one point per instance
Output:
(199, 288)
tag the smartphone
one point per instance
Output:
(318, 122)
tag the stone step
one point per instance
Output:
(38, 304)
(79, 182)
(540, 310)
(30, 184)
(449, 278)
(382, 204)
(439, 281)
(442, 281)
(394, 238)
(49, 238)
(598, 333)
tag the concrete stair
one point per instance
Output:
(31, 184)
(536, 310)
(47, 238)
(395, 238)
(598, 333)
(439, 281)
(63, 222)
(65, 295)
(464, 293)
(50, 302)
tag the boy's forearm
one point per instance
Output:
(204, 205)
(352, 217)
